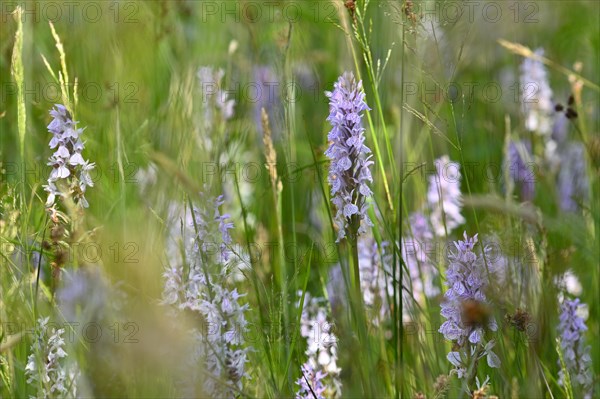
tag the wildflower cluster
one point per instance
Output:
(573, 182)
(350, 160)
(576, 354)
(563, 158)
(519, 161)
(444, 207)
(536, 96)
(568, 282)
(311, 383)
(204, 290)
(67, 162)
(444, 197)
(213, 97)
(415, 249)
(375, 264)
(47, 366)
(320, 373)
(466, 308)
(265, 79)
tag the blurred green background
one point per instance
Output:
(136, 62)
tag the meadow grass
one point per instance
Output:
(183, 101)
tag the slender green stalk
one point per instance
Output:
(374, 80)
(276, 194)
(299, 315)
(376, 149)
(255, 283)
(357, 305)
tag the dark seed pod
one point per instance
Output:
(571, 113)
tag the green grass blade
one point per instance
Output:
(18, 75)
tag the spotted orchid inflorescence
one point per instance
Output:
(573, 181)
(310, 384)
(376, 277)
(538, 106)
(205, 290)
(536, 95)
(71, 172)
(520, 168)
(438, 217)
(466, 307)
(47, 366)
(444, 197)
(320, 372)
(214, 97)
(576, 353)
(349, 172)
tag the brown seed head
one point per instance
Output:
(57, 232)
(519, 320)
(270, 154)
(442, 383)
(481, 393)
